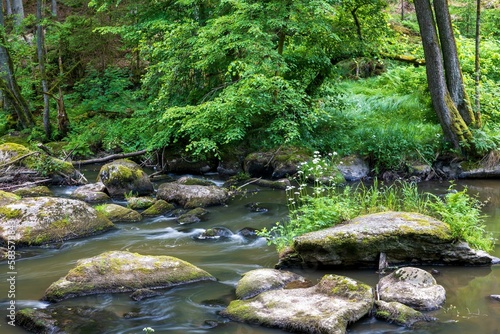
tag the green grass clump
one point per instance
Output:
(325, 205)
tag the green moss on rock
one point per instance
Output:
(123, 271)
(158, 208)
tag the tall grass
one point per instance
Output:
(325, 205)
(387, 118)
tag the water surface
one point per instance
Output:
(193, 308)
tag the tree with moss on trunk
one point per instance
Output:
(13, 99)
(444, 76)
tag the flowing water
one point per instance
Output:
(194, 308)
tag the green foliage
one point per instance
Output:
(224, 72)
(386, 118)
(463, 213)
(46, 165)
(110, 90)
(325, 206)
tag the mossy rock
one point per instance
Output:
(12, 151)
(405, 238)
(33, 191)
(140, 203)
(43, 165)
(276, 164)
(8, 197)
(192, 196)
(399, 314)
(259, 280)
(91, 193)
(158, 208)
(327, 307)
(192, 216)
(44, 220)
(118, 213)
(123, 177)
(195, 181)
(117, 271)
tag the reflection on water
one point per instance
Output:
(194, 308)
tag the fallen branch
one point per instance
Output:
(108, 158)
(26, 184)
(11, 162)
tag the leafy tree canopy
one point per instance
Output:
(221, 72)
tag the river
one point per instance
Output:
(193, 308)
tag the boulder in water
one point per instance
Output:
(327, 307)
(122, 177)
(117, 271)
(413, 287)
(405, 238)
(34, 221)
(257, 281)
(91, 193)
(118, 213)
(192, 196)
(158, 208)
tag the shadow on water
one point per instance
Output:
(194, 308)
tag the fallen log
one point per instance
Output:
(108, 158)
(406, 59)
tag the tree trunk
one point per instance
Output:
(477, 67)
(454, 78)
(357, 23)
(8, 83)
(8, 7)
(54, 8)
(402, 10)
(454, 128)
(40, 42)
(18, 12)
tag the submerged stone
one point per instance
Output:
(399, 314)
(63, 319)
(116, 271)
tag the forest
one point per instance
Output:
(392, 81)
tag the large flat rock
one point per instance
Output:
(405, 238)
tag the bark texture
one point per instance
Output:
(454, 126)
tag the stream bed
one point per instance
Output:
(194, 308)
